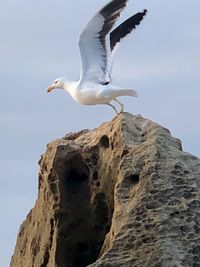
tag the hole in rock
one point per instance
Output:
(94, 159)
(97, 183)
(95, 176)
(75, 181)
(84, 223)
(133, 179)
(174, 213)
(82, 247)
(104, 141)
(124, 153)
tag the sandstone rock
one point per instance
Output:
(124, 194)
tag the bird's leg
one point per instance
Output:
(121, 105)
(112, 106)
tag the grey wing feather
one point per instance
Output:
(94, 43)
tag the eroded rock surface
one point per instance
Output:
(124, 194)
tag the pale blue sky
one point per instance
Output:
(161, 60)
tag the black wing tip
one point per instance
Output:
(113, 5)
(140, 16)
(126, 27)
(144, 12)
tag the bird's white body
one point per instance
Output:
(93, 94)
(97, 47)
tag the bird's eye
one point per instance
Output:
(56, 82)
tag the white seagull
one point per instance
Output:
(98, 43)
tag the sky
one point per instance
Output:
(38, 44)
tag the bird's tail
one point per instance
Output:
(126, 92)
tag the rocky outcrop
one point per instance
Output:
(124, 194)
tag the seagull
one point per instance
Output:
(98, 43)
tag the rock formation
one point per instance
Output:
(121, 195)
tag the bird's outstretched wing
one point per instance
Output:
(122, 31)
(125, 28)
(94, 43)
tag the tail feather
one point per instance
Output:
(126, 92)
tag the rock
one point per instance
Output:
(124, 194)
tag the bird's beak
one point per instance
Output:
(50, 89)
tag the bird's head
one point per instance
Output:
(57, 84)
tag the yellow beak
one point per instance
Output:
(50, 89)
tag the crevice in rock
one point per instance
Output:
(46, 258)
(85, 219)
(48, 247)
